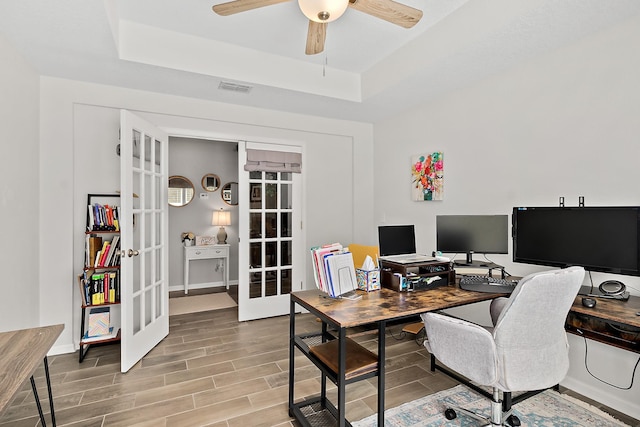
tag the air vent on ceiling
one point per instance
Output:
(235, 87)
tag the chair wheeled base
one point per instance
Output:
(498, 416)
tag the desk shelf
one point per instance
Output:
(361, 363)
(414, 275)
(316, 412)
(611, 321)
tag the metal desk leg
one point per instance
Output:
(292, 333)
(35, 395)
(53, 413)
(37, 398)
(382, 326)
(342, 361)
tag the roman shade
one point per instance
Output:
(273, 161)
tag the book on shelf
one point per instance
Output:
(102, 218)
(94, 243)
(99, 320)
(112, 334)
(113, 246)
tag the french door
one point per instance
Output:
(271, 252)
(144, 228)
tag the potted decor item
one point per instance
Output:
(188, 238)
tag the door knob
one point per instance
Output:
(133, 252)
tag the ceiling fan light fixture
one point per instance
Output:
(323, 10)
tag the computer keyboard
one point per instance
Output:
(487, 284)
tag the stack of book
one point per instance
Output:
(101, 253)
(103, 218)
(334, 271)
(100, 288)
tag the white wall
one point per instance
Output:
(19, 183)
(565, 124)
(79, 123)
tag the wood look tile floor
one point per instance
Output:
(212, 370)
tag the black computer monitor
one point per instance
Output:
(396, 240)
(598, 238)
(469, 234)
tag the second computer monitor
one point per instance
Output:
(468, 234)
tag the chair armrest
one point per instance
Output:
(463, 346)
(496, 307)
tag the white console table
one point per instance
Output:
(219, 252)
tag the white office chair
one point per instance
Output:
(527, 349)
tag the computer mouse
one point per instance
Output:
(589, 302)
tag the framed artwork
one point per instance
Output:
(205, 240)
(427, 176)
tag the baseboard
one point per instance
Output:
(61, 349)
(627, 407)
(173, 288)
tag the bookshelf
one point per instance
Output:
(99, 282)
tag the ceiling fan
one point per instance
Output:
(321, 12)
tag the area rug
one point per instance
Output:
(197, 303)
(548, 409)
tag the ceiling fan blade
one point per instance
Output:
(238, 6)
(315, 37)
(389, 10)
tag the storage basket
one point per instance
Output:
(368, 280)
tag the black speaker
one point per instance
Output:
(612, 288)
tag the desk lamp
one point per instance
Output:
(221, 218)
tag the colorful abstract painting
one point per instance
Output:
(427, 176)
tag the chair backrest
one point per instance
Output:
(360, 252)
(529, 334)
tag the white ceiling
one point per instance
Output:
(370, 69)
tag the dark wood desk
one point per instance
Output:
(20, 353)
(611, 321)
(337, 315)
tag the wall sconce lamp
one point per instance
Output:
(221, 218)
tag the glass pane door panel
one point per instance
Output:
(148, 304)
(255, 225)
(157, 191)
(255, 195)
(255, 284)
(271, 196)
(285, 224)
(156, 151)
(148, 199)
(271, 176)
(271, 254)
(255, 255)
(148, 230)
(271, 225)
(136, 140)
(285, 196)
(136, 319)
(271, 283)
(285, 252)
(285, 281)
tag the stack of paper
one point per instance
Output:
(333, 269)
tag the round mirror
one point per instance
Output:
(180, 191)
(230, 193)
(211, 182)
